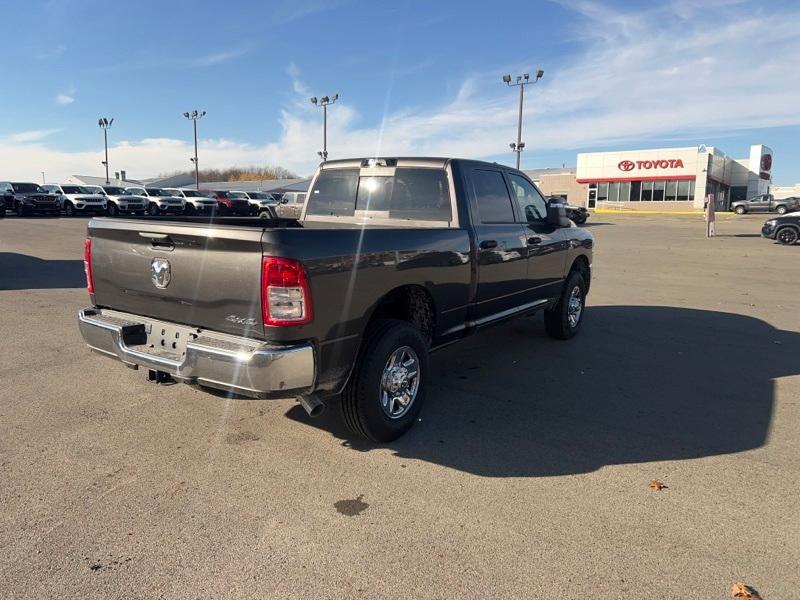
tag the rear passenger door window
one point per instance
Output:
(491, 195)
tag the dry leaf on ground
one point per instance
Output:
(741, 590)
(657, 485)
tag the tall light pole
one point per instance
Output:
(521, 81)
(104, 125)
(324, 102)
(193, 116)
(42, 172)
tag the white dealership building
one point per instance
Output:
(672, 178)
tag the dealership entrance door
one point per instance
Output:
(591, 198)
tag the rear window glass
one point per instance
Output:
(410, 194)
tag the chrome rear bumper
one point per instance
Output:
(207, 358)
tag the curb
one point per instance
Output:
(698, 213)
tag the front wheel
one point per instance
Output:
(787, 236)
(21, 212)
(385, 394)
(112, 209)
(69, 209)
(154, 210)
(563, 320)
(739, 210)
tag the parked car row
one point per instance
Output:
(26, 198)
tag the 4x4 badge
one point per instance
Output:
(160, 272)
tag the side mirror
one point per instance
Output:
(284, 201)
(557, 215)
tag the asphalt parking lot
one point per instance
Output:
(526, 478)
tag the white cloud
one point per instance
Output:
(644, 74)
(33, 135)
(66, 97)
(218, 58)
(51, 52)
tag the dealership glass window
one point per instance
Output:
(738, 192)
(691, 190)
(624, 191)
(602, 192)
(683, 191)
(613, 191)
(647, 191)
(671, 191)
(658, 190)
(636, 189)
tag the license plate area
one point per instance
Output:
(163, 340)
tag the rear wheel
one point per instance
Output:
(740, 210)
(787, 236)
(781, 210)
(563, 320)
(387, 389)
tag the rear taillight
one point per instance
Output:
(87, 265)
(285, 296)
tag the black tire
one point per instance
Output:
(153, 210)
(2, 210)
(361, 404)
(781, 210)
(189, 210)
(557, 321)
(69, 209)
(739, 210)
(111, 209)
(787, 236)
(21, 212)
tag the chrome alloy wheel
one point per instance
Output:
(400, 382)
(575, 306)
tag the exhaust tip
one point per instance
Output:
(312, 404)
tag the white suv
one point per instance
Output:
(74, 199)
(117, 201)
(158, 201)
(259, 201)
(196, 202)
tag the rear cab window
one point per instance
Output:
(411, 196)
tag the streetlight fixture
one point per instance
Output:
(324, 102)
(104, 125)
(193, 116)
(521, 81)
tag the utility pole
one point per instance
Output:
(104, 125)
(42, 177)
(324, 102)
(193, 116)
(521, 81)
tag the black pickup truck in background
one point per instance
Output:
(391, 259)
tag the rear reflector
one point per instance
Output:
(285, 295)
(87, 265)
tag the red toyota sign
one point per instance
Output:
(664, 163)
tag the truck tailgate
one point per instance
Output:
(206, 276)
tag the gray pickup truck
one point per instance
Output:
(766, 203)
(391, 259)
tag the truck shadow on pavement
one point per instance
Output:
(23, 272)
(638, 384)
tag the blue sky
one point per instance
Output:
(414, 78)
